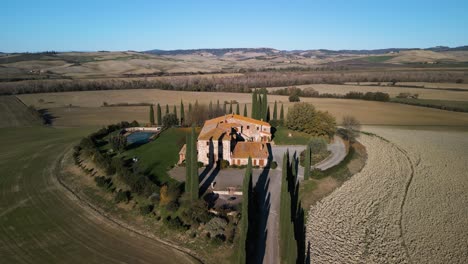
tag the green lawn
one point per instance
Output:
(459, 106)
(161, 154)
(297, 138)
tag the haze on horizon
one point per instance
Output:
(31, 26)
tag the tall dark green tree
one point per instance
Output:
(188, 163)
(307, 157)
(189, 111)
(244, 222)
(218, 107)
(259, 107)
(224, 108)
(245, 110)
(151, 115)
(194, 181)
(230, 108)
(159, 114)
(174, 110)
(253, 114)
(282, 114)
(264, 105)
(167, 109)
(237, 109)
(210, 110)
(275, 112)
(182, 113)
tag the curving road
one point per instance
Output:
(338, 153)
(40, 224)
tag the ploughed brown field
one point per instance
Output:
(86, 107)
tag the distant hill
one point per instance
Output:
(216, 52)
(271, 51)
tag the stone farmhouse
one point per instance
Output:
(233, 138)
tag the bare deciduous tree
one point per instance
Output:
(352, 126)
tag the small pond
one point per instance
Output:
(139, 138)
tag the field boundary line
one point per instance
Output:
(90, 207)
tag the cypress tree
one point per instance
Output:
(230, 108)
(190, 111)
(218, 108)
(259, 107)
(275, 112)
(210, 110)
(237, 109)
(194, 181)
(244, 222)
(151, 115)
(182, 113)
(267, 116)
(224, 109)
(307, 163)
(245, 110)
(167, 109)
(188, 164)
(175, 111)
(253, 114)
(265, 104)
(282, 115)
(159, 115)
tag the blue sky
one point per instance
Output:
(87, 25)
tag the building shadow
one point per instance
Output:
(261, 211)
(206, 184)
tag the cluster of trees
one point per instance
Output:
(370, 96)
(304, 117)
(295, 93)
(232, 83)
(292, 228)
(260, 108)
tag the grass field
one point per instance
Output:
(377, 58)
(14, 113)
(40, 224)
(297, 138)
(161, 154)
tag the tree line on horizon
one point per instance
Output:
(242, 83)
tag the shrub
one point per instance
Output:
(104, 183)
(172, 206)
(223, 164)
(294, 98)
(174, 223)
(459, 81)
(273, 165)
(122, 196)
(146, 209)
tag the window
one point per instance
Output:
(208, 155)
(258, 128)
(248, 127)
(207, 143)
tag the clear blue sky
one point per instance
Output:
(86, 25)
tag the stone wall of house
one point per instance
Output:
(255, 162)
(203, 147)
(253, 129)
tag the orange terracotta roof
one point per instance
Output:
(215, 134)
(238, 117)
(244, 150)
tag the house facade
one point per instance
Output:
(233, 138)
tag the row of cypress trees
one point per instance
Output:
(191, 166)
(292, 228)
(261, 108)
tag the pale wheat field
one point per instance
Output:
(408, 204)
